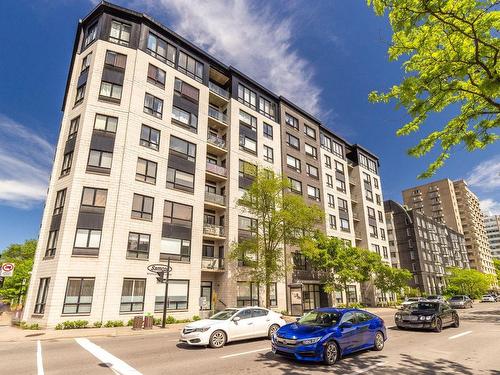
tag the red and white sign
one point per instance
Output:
(7, 269)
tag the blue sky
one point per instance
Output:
(324, 55)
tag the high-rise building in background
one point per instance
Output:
(492, 227)
(455, 205)
(424, 246)
(158, 141)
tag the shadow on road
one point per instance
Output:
(482, 316)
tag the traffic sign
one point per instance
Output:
(7, 269)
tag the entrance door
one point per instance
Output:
(323, 297)
(206, 291)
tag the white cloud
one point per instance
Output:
(25, 162)
(486, 175)
(490, 206)
(250, 37)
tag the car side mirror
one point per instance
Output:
(236, 319)
(346, 325)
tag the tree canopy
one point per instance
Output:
(469, 282)
(450, 50)
(391, 280)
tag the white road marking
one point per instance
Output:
(249, 352)
(363, 370)
(114, 363)
(459, 335)
(39, 360)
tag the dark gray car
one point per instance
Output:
(460, 302)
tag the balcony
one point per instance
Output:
(212, 264)
(216, 199)
(217, 171)
(212, 230)
(218, 95)
(216, 145)
(216, 118)
(354, 198)
(355, 216)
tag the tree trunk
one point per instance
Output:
(267, 295)
(346, 295)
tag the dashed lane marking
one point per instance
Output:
(39, 360)
(459, 335)
(243, 353)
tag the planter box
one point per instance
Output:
(137, 322)
(148, 322)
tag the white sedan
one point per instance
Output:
(488, 298)
(232, 324)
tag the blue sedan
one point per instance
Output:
(326, 334)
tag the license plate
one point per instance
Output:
(413, 318)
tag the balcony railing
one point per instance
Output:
(218, 90)
(215, 198)
(216, 141)
(216, 169)
(209, 263)
(213, 230)
(216, 114)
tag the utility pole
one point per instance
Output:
(165, 302)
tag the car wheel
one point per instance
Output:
(439, 325)
(378, 344)
(456, 321)
(272, 330)
(217, 339)
(330, 353)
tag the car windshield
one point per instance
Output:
(319, 318)
(223, 315)
(432, 297)
(425, 306)
(457, 298)
(412, 299)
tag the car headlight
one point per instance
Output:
(428, 317)
(314, 340)
(203, 329)
(273, 337)
(421, 317)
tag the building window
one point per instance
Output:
(156, 76)
(178, 214)
(80, 94)
(373, 231)
(340, 185)
(179, 248)
(190, 120)
(268, 154)
(142, 207)
(344, 225)
(310, 151)
(248, 144)
(291, 121)
(87, 242)
(268, 131)
(337, 149)
(328, 162)
(342, 205)
(91, 34)
(273, 294)
(310, 132)
(178, 296)
(295, 185)
(331, 201)
(146, 171)
(293, 163)
(79, 293)
(138, 246)
(190, 67)
(120, 33)
(384, 251)
(110, 91)
(162, 50)
(50, 251)
(382, 233)
(150, 137)
(92, 197)
(267, 108)
(105, 123)
(133, 292)
(153, 105)
(299, 261)
(73, 128)
(376, 248)
(333, 221)
(352, 295)
(313, 192)
(310, 296)
(177, 179)
(378, 199)
(369, 195)
(292, 141)
(66, 164)
(101, 160)
(115, 59)
(41, 297)
(380, 216)
(329, 180)
(187, 91)
(371, 213)
(247, 294)
(312, 171)
(86, 62)
(367, 163)
(59, 204)
(248, 120)
(375, 183)
(339, 167)
(183, 148)
(247, 96)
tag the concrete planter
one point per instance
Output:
(137, 322)
(148, 322)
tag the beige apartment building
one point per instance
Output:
(157, 143)
(452, 203)
(492, 227)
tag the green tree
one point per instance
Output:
(341, 263)
(391, 280)
(468, 281)
(282, 219)
(496, 263)
(22, 255)
(450, 50)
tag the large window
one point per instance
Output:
(87, 242)
(86, 62)
(268, 154)
(367, 163)
(73, 128)
(178, 296)
(105, 123)
(41, 297)
(177, 179)
(187, 91)
(312, 171)
(329, 180)
(185, 149)
(160, 49)
(91, 34)
(333, 221)
(120, 33)
(50, 251)
(79, 293)
(291, 121)
(273, 294)
(247, 96)
(80, 94)
(133, 292)
(150, 137)
(340, 184)
(344, 225)
(310, 151)
(153, 105)
(115, 59)
(309, 131)
(293, 163)
(142, 207)
(313, 192)
(310, 296)
(66, 164)
(110, 91)
(138, 245)
(190, 120)
(268, 131)
(92, 197)
(146, 171)
(267, 108)
(190, 66)
(100, 160)
(248, 120)
(156, 76)
(292, 141)
(295, 185)
(59, 204)
(178, 214)
(331, 201)
(247, 294)
(330, 145)
(343, 206)
(248, 144)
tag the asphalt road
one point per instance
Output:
(474, 348)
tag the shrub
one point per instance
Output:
(34, 326)
(118, 323)
(69, 324)
(81, 323)
(196, 318)
(157, 321)
(182, 321)
(109, 324)
(170, 320)
(130, 322)
(59, 326)
(97, 324)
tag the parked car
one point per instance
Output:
(232, 324)
(460, 302)
(435, 298)
(488, 298)
(427, 315)
(326, 334)
(411, 300)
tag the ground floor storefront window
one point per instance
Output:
(247, 294)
